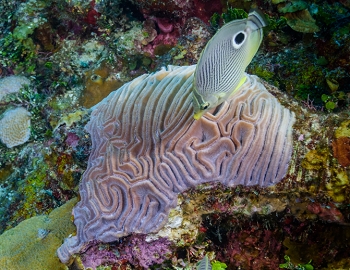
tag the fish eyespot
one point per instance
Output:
(238, 39)
(205, 106)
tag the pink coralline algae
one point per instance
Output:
(328, 213)
(172, 16)
(139, 252)
(147, 148)
(169, 31)
(134, 249)
(72, 139)
(95, 256)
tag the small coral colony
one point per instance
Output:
(174, 134)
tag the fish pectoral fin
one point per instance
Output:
(241, 82)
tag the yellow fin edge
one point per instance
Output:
(241, 82)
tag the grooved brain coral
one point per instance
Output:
(12, 84)
(15, 127)
(147, 148)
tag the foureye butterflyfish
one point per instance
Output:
(220, 69)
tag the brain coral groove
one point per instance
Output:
(147, 148)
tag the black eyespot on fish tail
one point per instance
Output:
(239, 38)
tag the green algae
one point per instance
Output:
(229, 15)
(31, 190)
(332, 101)
(262, 72)
(233, 14)
(275, 23)
(17, 47)
(34, 189)
(289, 265)
(21, 53)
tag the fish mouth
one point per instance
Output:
(198, 115)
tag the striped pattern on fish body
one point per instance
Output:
(220, 69)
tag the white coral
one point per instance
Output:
(15, 127)
(12, 84)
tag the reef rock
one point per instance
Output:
(147, 148)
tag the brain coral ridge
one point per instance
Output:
(147, 148)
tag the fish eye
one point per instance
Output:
(238, 39)
(94, 77)
(204, 106)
